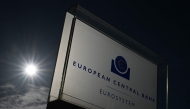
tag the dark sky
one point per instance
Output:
(30, 31)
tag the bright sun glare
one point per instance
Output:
(31, 70)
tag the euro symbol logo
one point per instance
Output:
(119, 67)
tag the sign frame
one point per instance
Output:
(81, 14)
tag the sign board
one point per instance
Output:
(93, 70)
(102, 73)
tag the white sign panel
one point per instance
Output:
(103, 74)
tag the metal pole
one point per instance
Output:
(167, 87)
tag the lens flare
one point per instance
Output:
(31, 70)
